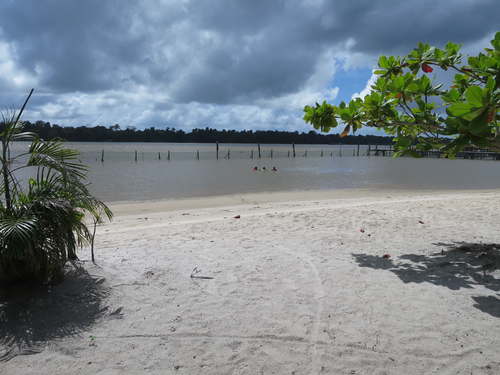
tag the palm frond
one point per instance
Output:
(52, 154)
(24, 136)
(17, 230)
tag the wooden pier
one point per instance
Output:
(473, 154)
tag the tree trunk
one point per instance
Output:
(92, 242)
(5, 173)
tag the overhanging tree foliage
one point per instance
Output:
(422, 114)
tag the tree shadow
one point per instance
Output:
(29, 318)
(458, 265)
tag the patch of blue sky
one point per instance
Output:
(349, 82)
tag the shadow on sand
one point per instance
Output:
(457, 265)
(29, 318)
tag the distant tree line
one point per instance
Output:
(115, 133)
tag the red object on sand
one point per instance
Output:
(426, 68)
(362, 230)
(237, 217)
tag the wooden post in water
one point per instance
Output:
(293, 147)
(357, 154)
(305, 153)
(228, 154)
(258, 147)
(135, 157)
(321, 153)
(353, 152)
(271, 153)
(197, 154)
(102, 156)
(251, 154)
(217, 150)
(168, 155)
(288, 153)
(159, 156)
(369, 150)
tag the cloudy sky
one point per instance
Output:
(234, 64)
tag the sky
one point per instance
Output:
(225, 64)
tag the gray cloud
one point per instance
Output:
(144, 60)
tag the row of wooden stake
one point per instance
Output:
(293, 153)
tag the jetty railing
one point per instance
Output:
(471, 153)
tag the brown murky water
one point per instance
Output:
(153, 176)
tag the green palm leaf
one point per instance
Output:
(17, 230)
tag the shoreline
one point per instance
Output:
(231, 200)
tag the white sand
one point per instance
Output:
(297, 288)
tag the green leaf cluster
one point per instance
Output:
(422, 114)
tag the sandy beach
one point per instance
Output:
(340, 282)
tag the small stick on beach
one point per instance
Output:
(194, 275)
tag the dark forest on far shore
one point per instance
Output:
(115, 134)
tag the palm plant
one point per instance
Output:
(42, 225)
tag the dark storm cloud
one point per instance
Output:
(271, 47)
(72, 45)
(216, 52)
(263, 48)
(398, 26)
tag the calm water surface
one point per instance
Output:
(121, 178)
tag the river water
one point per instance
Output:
(145, 171)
